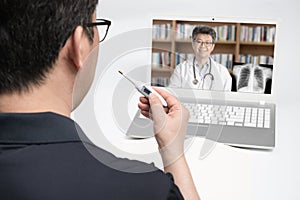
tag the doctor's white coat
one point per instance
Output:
(183, 76)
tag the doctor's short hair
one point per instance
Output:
(32, 33)
(204, 29)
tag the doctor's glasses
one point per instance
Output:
(102, 26)
(204, 43)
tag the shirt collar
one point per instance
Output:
(202, 71)
(205, 66)
(37, 128)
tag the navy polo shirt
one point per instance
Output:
(43, 157)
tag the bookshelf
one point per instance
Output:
(235, 42)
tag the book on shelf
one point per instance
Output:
(261, 59)
(224, 59)
(184, 31)
(223, 33)
(161, 59)
(160, 81)
(161, 31)
(257, 34)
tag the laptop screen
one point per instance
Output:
(231, 56)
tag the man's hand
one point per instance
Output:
(169, 124)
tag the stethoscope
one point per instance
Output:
(209, 74)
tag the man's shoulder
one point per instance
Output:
(98, 172)
(117, 163)
(183, 65)
(148, 181)
(144, 177)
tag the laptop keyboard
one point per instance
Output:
(241, 116)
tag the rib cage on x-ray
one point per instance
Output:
(244, 78)
(251, 78)
(258, 74)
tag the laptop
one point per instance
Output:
(244, 116)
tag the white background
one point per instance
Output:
(227, 173)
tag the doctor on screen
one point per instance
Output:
(201, 71)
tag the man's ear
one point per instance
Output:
(77, 42)
(213, 47)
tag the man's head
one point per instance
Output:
(32, 34)
(203, 40)
(204, 30)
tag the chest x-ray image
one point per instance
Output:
(252, 78)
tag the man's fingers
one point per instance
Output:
(145, 113)
(143, 106)
(144, 100)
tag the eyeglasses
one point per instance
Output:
(206, 43)
(102, 26)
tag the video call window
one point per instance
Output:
(240, 57)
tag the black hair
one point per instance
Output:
(32, 32)
(204, 29)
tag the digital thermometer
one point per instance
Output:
(145, 89)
